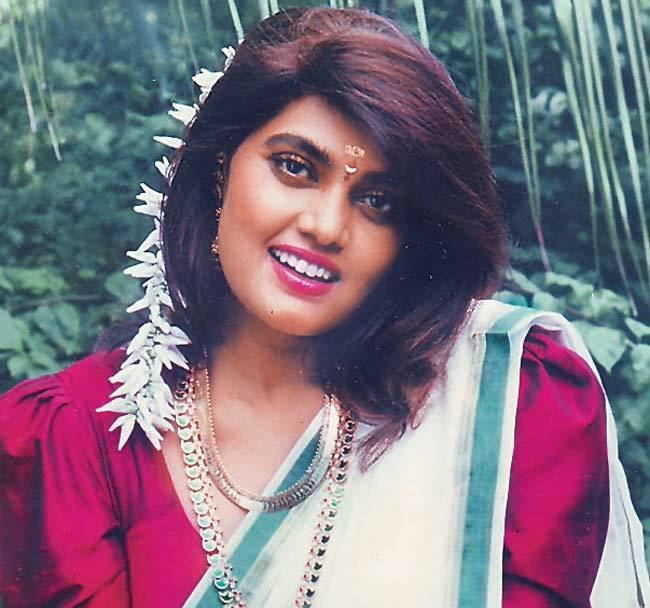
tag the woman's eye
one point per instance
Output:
(377, 201)
(293, 166)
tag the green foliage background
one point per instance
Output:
(101, 77)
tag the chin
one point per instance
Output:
(298, 325)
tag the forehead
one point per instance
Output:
(313, 118)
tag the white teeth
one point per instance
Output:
(300, 265)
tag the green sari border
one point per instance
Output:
(256, 536)
(485, 461)
(266, 524)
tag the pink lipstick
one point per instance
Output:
(304, 272)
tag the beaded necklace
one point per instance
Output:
(207, 517)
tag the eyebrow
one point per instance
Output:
(304, 144)
(380, 179)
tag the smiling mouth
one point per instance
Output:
(304, 268)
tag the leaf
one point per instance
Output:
(605, 344)
(18, 366)
(545, 301)
(636, 453)
(509, 297)
(577, 292)
(637, 372)
(36, 281)
(522, 281)
(61, 324)
(42, 358)
(10, 332)
(5, 283)
(635, 418)
(606, 305)
(123, 288)
(640, 330)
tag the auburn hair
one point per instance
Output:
(382, 361)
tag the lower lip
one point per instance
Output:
(299, 284)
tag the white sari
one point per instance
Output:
(425, 526)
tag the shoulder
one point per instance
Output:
(558, 500)
(60, 506)
(556, 375)
(61, 404)
(561, 414)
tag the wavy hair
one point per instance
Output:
(382, 360)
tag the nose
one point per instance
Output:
(326, 218)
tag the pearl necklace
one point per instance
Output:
(298, 491)
(207, 518)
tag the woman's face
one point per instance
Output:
(307, 226)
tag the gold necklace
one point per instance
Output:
(207, 518)
(298, 491)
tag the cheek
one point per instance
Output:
(255, 203)
(380, 254)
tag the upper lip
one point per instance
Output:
(310, 256)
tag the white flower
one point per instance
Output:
(142, 396)
(144, 302)
(127, 422)
(183, 113)
(153, 238)
(170, 142)
(132, 379)
(142, 271)
(145, 334)
(175, 337)
(158, 319)
(229, 52)
(152, 201)
(142, 256)
(163, 167)
(170, 355)
(119, 405)
(146, 423)
(149, 195)
(206, 79)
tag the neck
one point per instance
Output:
(260, 367)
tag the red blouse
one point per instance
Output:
(84, 524)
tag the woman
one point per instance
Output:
(351, 425)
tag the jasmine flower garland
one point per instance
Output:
(142, 396)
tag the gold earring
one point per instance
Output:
(214, 246)
(219, 176)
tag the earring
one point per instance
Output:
(214, 246)
(219, 176)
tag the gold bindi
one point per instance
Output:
(356, 152)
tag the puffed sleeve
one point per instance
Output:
(558, 502)
(59, 533)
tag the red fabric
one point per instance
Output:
(68, 537)
(558, 503)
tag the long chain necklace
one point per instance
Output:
(207, 518)
(298, 491)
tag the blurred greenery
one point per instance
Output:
(84, 86)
